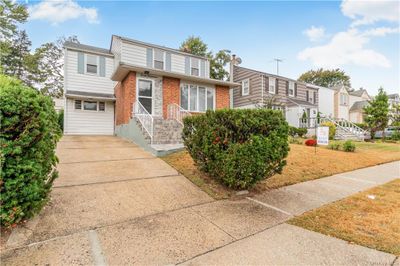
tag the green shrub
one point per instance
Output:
(238, 147)
(332, 128)
(301, 132)
(395, 135)
(28, 137)
(295, 140)
(292, 131)
(349, 146)
(362, 125)
(61, 120)
(334, 146)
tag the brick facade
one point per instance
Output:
(171, 92)
(222, 97)
(125, 93)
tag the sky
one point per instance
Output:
(360, 37)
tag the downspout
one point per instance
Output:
(233, 60)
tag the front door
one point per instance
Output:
(145, 94)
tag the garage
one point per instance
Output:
(89, 116)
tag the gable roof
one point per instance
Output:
(87, 48)
(358, 105)
(357, 92)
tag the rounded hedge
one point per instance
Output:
(239, 147)
(28, 138)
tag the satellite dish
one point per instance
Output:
(238, 60)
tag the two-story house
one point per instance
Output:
(112, 91)
(295, 99)
(349, 103)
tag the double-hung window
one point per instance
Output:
(91, 64)
(197, 98)
(271, 87)
(158, 59)
(291, 88)
(343, 99)
(194, 67)
(245, 87)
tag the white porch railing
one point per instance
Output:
(176, 112)
(344, 125)
(144, 118)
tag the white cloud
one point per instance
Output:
(344, 48)
(315, 33)
(381, 31)
(58, 11)
(365, 12)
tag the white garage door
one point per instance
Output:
(89, 117)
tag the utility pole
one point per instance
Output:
(278, 60)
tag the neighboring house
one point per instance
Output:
(292, 97)
(58, 104)
(393, 100)
(326, 100)
(135, 83)
(349, 103)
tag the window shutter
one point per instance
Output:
(168, 61)
(315, 97)
(81, 63)
(307, 96)
(187, 65)
(102, 62)
(266, 85)
(149, 57)
(202, 68)
(295, 90)
(276, 85)
(287, 87)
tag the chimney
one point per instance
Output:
(232, 63)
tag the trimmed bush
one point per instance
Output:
(334, 146)
(238, 147)
(61, 120)
(292, 131)
(311, 142)
(28, 137)
(332, 129)
(301, 132)
(349, 146)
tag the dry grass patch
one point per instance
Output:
(359, 219)
(303, 164)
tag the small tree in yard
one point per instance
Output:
(238, 147)
(28, 137)
(377, 113)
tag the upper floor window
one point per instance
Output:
(344, 99)
(194, 67)
(310, 96)
(291, 88)
(271, 87)
(246, 87)
(197, 98)
(158, 59)
(91, 64)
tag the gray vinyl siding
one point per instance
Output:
(254, 96)
(116, 47)
(240, 73)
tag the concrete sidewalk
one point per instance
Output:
(116, 204)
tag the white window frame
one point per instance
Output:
(154, 58)
(97, 106)
(197, 97)
(291, 84)
(198, 66)
(272, 83)
(245, 93)
(97, 64)
(152, 92)
(343, 100)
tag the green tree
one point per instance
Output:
(11, 13)
(377, 113)
(50, 61)
(218, 61)
(326, 78)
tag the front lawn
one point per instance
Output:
(370, 218)
(303, 164)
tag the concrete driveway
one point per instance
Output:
(115, 204)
